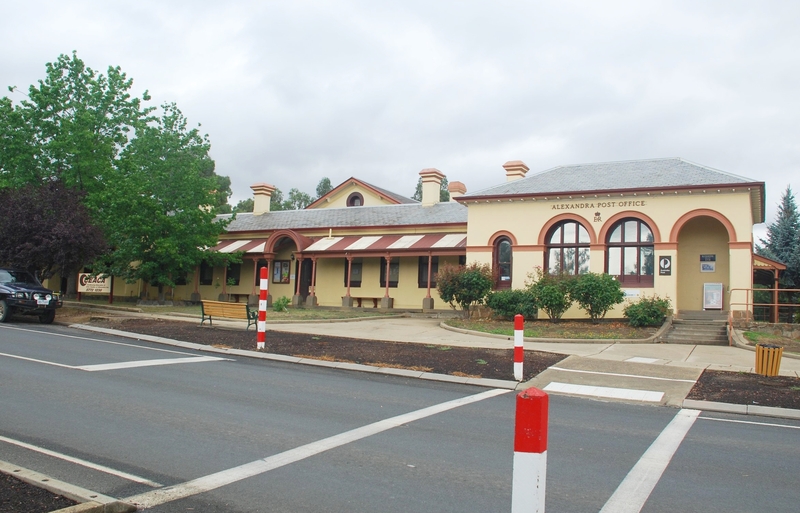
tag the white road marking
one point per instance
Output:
(83, 463)
(232, 475)
(97, 340)
(622, 375)
(609, 392)
(642, 359)
(147, 363)
(37, 361)
(751, 422)
(637, 486)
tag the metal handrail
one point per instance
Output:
(749, 304)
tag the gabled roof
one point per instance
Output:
(390, 196)
(387, 216)
(623, 176)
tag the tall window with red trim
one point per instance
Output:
(501, 263)
(567, 248)
(630, 255)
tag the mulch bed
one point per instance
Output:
(456, 361)
(747, 388)
(18, 497)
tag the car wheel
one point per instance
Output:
(47, 317)
(4, 310)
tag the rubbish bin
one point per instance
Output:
(768, 359)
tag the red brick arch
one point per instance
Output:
(502, 233)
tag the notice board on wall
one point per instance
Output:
(712, 296)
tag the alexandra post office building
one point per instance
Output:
(664, 226)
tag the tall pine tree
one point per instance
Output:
(783, 240)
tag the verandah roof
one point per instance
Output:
(356, 244)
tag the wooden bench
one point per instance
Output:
(215, 309)
(359, 299)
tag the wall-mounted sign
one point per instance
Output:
(665, 266)
(89, 284)
(712, 296)
(708, 263)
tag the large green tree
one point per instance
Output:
(147, 179)
(156, 216)
(783, 240)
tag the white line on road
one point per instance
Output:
(148, 363)
(62, 335)
(637, 486)
(751, 422)
(232, 475)
(629, 394)
(122, 365)
(84, 463)
(622, 375)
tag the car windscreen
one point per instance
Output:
(20, 277)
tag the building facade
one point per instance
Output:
(665, 227)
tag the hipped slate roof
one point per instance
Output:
(615, 176)
(412, 214)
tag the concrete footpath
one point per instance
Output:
(649, 373)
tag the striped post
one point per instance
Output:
(262, 309)
(519, 352)
(530, 452)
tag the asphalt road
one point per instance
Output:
(182, 431)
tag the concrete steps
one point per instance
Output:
(708, 328)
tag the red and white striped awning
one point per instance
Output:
(245, 245)
(388, 243)
(357, 244)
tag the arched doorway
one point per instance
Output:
(703, 257)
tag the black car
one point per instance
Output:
(21, 292)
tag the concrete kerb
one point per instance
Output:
(483, 382)
(90, 502)
(739, 341)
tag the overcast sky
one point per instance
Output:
(293, 91)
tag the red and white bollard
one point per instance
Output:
(530, 452)
(519, 351)
(262, 309)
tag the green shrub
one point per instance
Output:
(596, 294)
(464, 285)
(280, 304)
(551, 292)
(508, 303)
(648, 311)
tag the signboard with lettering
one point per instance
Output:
(708, 263)
(89, 284)
(665, 266)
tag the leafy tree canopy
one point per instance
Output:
(148, 180)
(159, 232)
(323, 187)
(444, 194)
(47, 230)
(464, 285)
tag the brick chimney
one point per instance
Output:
(515, 169)
(262, 194)
(431, 185)
(456, 189)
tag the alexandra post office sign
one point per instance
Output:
(94, 284)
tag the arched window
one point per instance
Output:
(567, 248)
(501, 263)
(630, 253)
(355, 200)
